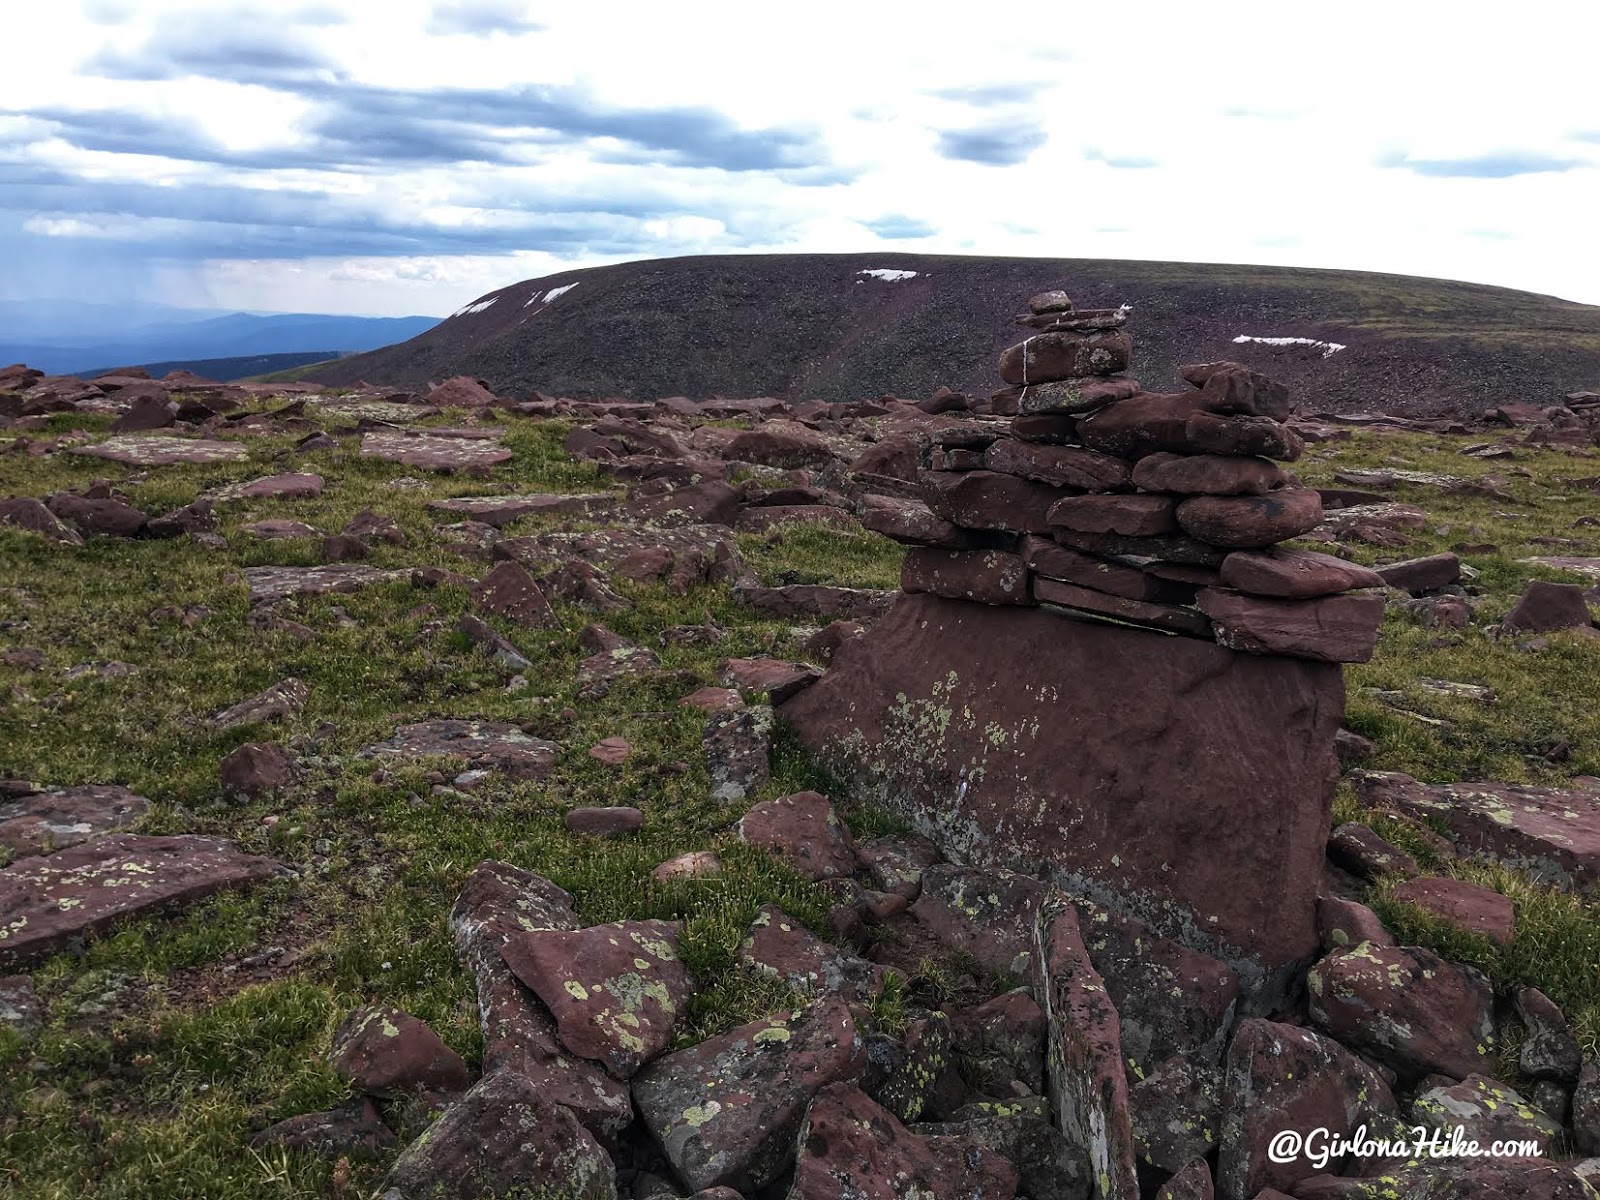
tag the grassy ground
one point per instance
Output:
(162, 1054)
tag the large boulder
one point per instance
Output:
(1167, 778)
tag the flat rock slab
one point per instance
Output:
(1468, 906)
(279, 583)
(485, 745)
(46, 901)
(817, 600)
(433, 453)
(160, 450)
(390, 411)
(1550, 832)
(272, 487)
(1101, 756)
(56, 819)
(1589, 567)
(501, 511)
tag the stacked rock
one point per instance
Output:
(1160, 510)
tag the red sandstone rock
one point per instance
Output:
(989, 500)
(1331, 629)
(1243, 762)
(1359, 850)
(1281, 1077)
(47, 900)
(460, 391)
(1407, 1007)
(1422, 574)
(1086, 570)
(779, 947)
(911, 522)
(1062, 466)
(985, 913)
(384, 1052)
(726, 1112)
(1075, 396)
(60, 817)
(258, 767)
(1249, 522)
(509, 591)
(615, 991)
(713, 699)
(613, 751)
(1088, 1082)
(1192, 1183)
(25, 512)
(829, 640)
(605, 822)
(1294, 574)
(1210, 433)
(1234, 389)
(982, 576)
(709, 502)
(1132, 516)
(851, 1146)
(1469, 907)
(1549, 1050)
(107, 516)
(1048, 428)
(1047, 357)
(780, 444)
(1207, 474)
(1345, 923)
(1082, 601)
(1544, 607)
(770, 676)
(803, 830)
(1143, 425)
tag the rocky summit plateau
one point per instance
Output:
(1026, 745)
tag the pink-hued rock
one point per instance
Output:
(25, 512)
(804, 831)
(1087, 1079)
(1346, 923)
(483, 745)
(726, 1112)
(433, 453)
(1142, 425)
(982, 576)
(1355, 848)
(273, 487)
(989, 500)
(1486, 1112)
(1047, 357)
(500, 511)
(354, 1130)
(1406, 1007)
(779, 947)
(615, 991)
(1207, 475)
(829, 640)
(1422, 574)
(1086, 602)
(1249, 522)
(912, 523)
(605, 822)
(498, 902)
(275, 528)
(780, 444)
(807, 600)
(985, 913)
(51, 820)
(1191, 1183)
(1243, 763)
(697, 864)
(1063, 466)
(1055, 561)
(1294, 574)
(613, 751)
(47, 900)
(713, 699)
(258, 767)
(1470, 907)
(460, 391)
(1544, 607)
(851, 1146)
(1554, 832)
(278, 583)
(707, 502)
(770, 676)
(1549, 1050)
(384, 1052)
(1233, 388)
(503, 1133)
(106, 515)
(282, 699)
(1132, 515)
(1073, 395)
(1211, 433)
(1335, 629)
(1281, 1077)
(509, 591)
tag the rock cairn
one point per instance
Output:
(1104, 501)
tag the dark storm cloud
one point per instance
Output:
(477, 18)
(897, 225)
(1499, 165)
(997, 145)
(1125, 162)
(987, 95)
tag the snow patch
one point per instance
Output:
(560, 291)
(888, 275)
(532, 300)
(476, 306)
(1329, 349)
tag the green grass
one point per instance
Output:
(159, 1056)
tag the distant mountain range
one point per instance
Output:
(68, 338)
(848, 326)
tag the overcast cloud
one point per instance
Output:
(408, 156)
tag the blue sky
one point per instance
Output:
(405, 157)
